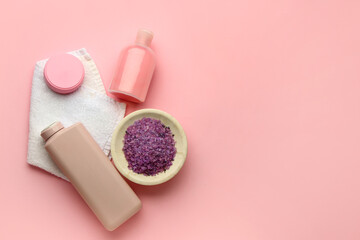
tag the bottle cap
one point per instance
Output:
(64, 73)
(51, 130)
(144, 37)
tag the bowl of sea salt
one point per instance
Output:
(149, 147)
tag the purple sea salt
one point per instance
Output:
(149, 147)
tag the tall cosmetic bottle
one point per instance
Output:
(135, 69)
(83, 162)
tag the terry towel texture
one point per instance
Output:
(89, 105)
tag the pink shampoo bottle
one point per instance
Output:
(83, 162)
(135, 69)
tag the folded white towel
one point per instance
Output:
(89, 105)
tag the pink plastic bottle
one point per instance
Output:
(135, 70)
(83, 162)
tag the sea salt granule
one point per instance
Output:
(149, 147)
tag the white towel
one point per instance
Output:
(89, 105)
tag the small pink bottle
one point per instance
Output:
(135, 69)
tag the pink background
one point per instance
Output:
(267, 91)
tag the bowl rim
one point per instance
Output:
(116, 157)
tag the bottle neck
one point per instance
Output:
(144, 37)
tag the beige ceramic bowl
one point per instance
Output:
(119, 157)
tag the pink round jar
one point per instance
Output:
(64, 73)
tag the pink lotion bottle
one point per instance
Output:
(135, 69)
(83, 162)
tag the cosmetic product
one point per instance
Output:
(149, 146)
(64, 73)
(81, 159)
(135, 69)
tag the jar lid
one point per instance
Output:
(64, 73)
